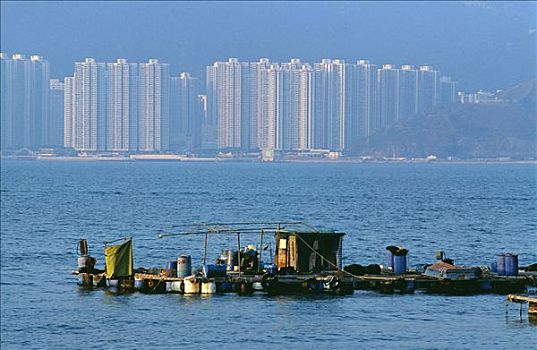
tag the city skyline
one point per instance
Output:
(139, 107)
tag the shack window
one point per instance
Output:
(283, 243)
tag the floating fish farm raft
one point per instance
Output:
(304, 260)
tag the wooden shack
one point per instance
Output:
(309, 252)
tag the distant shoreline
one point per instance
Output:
(174, 158)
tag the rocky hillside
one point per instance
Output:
(465, 131)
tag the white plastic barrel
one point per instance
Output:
(208, 287)
(192, 286)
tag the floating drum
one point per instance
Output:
(390, 251)
(85, 263)
(257, 286)
(208, 287)
(500, 264)
(139, 284)
(192, 286)
(112, 283)
(184, 266)
(511, 265)
(399, 264)
(176, 286)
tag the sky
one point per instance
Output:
(482, 45)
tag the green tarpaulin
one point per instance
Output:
(119, 260)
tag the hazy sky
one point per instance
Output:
(483, 45)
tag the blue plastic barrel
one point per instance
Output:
(511, 265)
(389, 260)
(184, 266)
(171, 266)
(399, 264)
(500, 264)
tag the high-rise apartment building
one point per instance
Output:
(117, 107)
(328, 121)
(269, 108)
(331, 105)
(224, 89)
(90, 117)
(153, 110)
(408, 92)
(24, 101)
(122, 106)
(209, 131)
(185, 117)
(69, 122)
(295, 106)
(361, 101)
(428, 79)
(447, 91)
(55, 128)
(388, 85)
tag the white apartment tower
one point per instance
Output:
(388, 85)
(328, 121)
(427, 89)
(224, 89)
(24, 101)
(153, 110)
(69, 122)
(90, 106)
(56, 114)
(122, 106)
(408, 92)
(185, 117)
(269, 107)
(361, 101)
(295, 114)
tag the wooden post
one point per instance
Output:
(260, 252)
(205, 250)
(239, 251)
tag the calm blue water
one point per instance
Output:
(471, 211)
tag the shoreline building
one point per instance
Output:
(117, 107)
(427, 89)
(447, 91)
(361, 105)
(153, 122)
(56, 114)
(269, 108)
(295, 103)
(69, 121)
(122, 106)
(408, 92)
(90, 106)
(328, 121)
(185, 117)
(388, 80)
(24, 101)
(224, 90)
